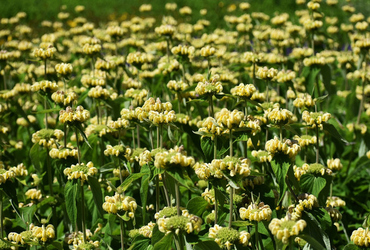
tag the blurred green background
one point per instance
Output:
(103, 10)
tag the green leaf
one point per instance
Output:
(314, 226)
(78, 126)
(311, 85)
(242, 137)
(70, 194)
(207, 145)
(312, 184)
(179, 176)
(170, 135)
(57, 245)
(140, 243)
(48, 111)
(281, 171)
(314, 244)
(366, 222)
(156, 234)
(207, 245)
(82, 97)
(240, 223)
(144, 188)
(124, 217)
(165, 243)
(9, 189)
(351, 247)
(321, 98)
(326, 77)
(333, 131)
(197, 205)
(130, 179)
(35, 156)
(97, 193)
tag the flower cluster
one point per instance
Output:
(256, 212)
(12, 172)
(81, 171)
(212, 87)
(275, 146)
(34, 235)
(120, 204)
(305, 201)
(172, 158)
(70, 115)
(227, 237)
(47, 137)
(231, 166)
(314, 119)
(168, 221)
(315, 168)
(284, 228)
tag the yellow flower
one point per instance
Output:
(285, 228)
(256, 212)
(120, 203)
(81, 171)
(70, 116)
(361, 237)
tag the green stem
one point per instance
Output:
(317, 144)
(45, 72)
(4, 78)
(180, 239)
(231, 143)
(169, 204)
(121, 231)
(50, 180)
(231, 205)
(65, 135)
(216, 207)
(120, 170)
(313, 43)
(256, 234)
(138, 136)
(157, 194)
(78, 147)
(158, 137)
(254, 73)
(177, 199)
(46, 114)
(83, 213)
(161, 132)
(1, 216)
(215, 148)
(168, 50)
(133, 138)
(209, 68)
(291, 243)
(281, 134)
(178, 102)
(97, 112)
(362, 101)
(151, 138)
(210, 110)
(50, 176)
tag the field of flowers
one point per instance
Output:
(157, 132)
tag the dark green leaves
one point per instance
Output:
(129, 180)
(281, 171)
(165, 243)
(97, 193)
(197, 206)
(70, 193)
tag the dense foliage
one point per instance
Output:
(160, 131)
